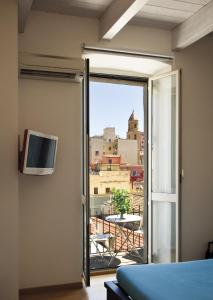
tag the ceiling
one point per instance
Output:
(168, 13)
(82, 8)
(157, 13)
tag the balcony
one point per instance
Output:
(109, 245)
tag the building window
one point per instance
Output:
(96, 153)
(110, 140)
(107, 190)
(109, 168)
(95, 191)
(110, 161)
(135, 137)
(135, 125)
(110, 148)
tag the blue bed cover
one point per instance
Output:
(177, 281)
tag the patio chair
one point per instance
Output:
(103, 241)
(138, 231)
(140, 227)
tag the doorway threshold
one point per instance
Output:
(102, 272)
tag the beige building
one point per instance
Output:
(128, 150)
(102, 145)
(109, 138)
(96, 149)
(109, 134)
(103, 182)
(110, 144)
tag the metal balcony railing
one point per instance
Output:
(99, 225)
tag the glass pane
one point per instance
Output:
(116, 169)
(163, 232)
(164, 135)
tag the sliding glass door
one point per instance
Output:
(163, 168)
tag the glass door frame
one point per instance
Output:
(85, 177)
(137, 81)
(178, 174)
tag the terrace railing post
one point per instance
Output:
(96, 223)
(121, 241)
(133, 237)
(115, 239)
(127, 244)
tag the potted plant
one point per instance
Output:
(121, 201)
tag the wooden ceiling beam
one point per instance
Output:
(117, 15)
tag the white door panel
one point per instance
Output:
(163, 196)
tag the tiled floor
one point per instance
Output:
(95, 292)
(121, 259)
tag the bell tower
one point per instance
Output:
(133, 133)
(132, 127)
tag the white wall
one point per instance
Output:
(64, 35)
(8, 151)
(196, 63)
(50, 206)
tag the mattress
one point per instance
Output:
(176, 281)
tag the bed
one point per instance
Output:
(176, 281)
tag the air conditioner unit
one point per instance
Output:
(48, 67)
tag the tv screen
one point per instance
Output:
(39, 153)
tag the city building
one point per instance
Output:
(136, 172)
(115, 163)
(103, 182)
(129, 149)
(96, 149)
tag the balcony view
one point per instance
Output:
(116, 174)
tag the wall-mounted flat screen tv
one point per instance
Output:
(39, 153)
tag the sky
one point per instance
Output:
(111, 106)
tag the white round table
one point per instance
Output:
(120, 223)
(126, 218)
